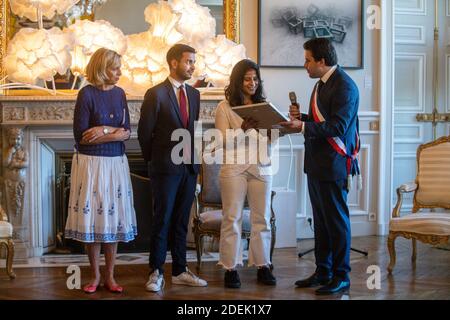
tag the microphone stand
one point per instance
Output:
(301, 254)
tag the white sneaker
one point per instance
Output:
(189, 279)
(155, 282)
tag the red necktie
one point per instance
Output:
(183, 107)
(185, 120)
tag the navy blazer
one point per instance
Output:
(160, 117)
(338, 101)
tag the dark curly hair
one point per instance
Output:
(322, 48)
(176, 52)
(233, 92)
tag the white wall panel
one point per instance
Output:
(410, 72)
(408, 133)
(409, 34)
(411, 7)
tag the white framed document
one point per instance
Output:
(265, 113)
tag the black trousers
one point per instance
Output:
(173, 197)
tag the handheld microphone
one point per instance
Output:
(293, 98)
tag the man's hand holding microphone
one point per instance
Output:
(295, 125)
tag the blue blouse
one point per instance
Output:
(96, 107)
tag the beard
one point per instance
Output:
(183, 74)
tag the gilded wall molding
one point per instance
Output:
(6, 31)
(231, 19)
(4, 17)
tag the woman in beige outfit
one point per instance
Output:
(239, 179)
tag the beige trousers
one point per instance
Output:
(258, 190)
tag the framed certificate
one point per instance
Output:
(267, 115)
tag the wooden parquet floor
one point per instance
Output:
(429, 279)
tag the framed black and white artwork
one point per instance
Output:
(284, 25)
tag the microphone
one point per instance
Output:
(293, 98)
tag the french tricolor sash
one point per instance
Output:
(338, 145)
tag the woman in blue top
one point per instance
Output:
(101, 211)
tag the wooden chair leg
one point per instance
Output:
(199, 248)
(414, 250)
(9, 245)
(10, 259)
(272, 246)
(273, 229)
(391, 248)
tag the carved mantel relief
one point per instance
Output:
(15, 163)
(47, 113)
(14, 114)
(61, 112)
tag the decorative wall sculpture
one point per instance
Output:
(15, 163)
(283, 28)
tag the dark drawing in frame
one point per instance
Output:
(284, 26)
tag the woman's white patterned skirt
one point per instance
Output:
(101, 200)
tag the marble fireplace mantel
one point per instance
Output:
(58, 110)
(28, 126)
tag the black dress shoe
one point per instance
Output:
(313, 281)
(266, 277)
(335, 286)
(232, 279)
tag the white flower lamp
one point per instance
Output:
(196, 23)
(38, 54)
(144, 63)
(48, 8)
(163, 20)
(218, 59)
(90, 36)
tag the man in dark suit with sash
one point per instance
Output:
(169, 106)
(331, 137)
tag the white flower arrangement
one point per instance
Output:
(38, 54)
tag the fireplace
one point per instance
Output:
(45, 123)
(142, 199)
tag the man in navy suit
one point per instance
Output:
(167, 107)
(331, 145)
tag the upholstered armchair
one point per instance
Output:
(431, 191)
(208, 222)
(6, 239)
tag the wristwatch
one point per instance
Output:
(105, 130)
